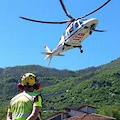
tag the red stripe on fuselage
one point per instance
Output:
(82, 34)
(79, 34)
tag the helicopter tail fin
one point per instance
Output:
(47, 49)
(48, 52)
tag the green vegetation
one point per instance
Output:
(97, 86)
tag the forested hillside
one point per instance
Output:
(98, 86)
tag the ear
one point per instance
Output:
(20, 87)
(38, 86)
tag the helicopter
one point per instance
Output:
(75, 33)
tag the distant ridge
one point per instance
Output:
(97, 86)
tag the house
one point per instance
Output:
(91, 116)
(83, 112)
(77, 109)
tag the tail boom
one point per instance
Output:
(49, 54)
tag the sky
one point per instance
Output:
(21, 41)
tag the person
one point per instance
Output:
(27, 104)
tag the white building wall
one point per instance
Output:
(75, 113)
(88, 109)
(63, 116)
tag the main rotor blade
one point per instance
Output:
(94, 10)
(65, 10)
(48, 22)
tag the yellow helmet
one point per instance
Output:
(28, 79)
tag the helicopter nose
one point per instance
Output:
(94, 20)
(91, 21)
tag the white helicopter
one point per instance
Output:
(77, 31)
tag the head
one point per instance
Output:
(29, 83)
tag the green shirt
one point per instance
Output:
(22, 104)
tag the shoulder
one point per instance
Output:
(20, 95)
(38, 101)
(15, 97)
(38, 98)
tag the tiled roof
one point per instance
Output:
(91, 117)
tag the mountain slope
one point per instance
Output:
(98, 86)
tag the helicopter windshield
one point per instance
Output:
(71, 28)
(81, 21)
(76, 25)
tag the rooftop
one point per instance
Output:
(91, 117)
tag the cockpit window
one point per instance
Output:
(76, 24)
(80, 22)
(71, 29)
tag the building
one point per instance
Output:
(91, 116)
(83, 112)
